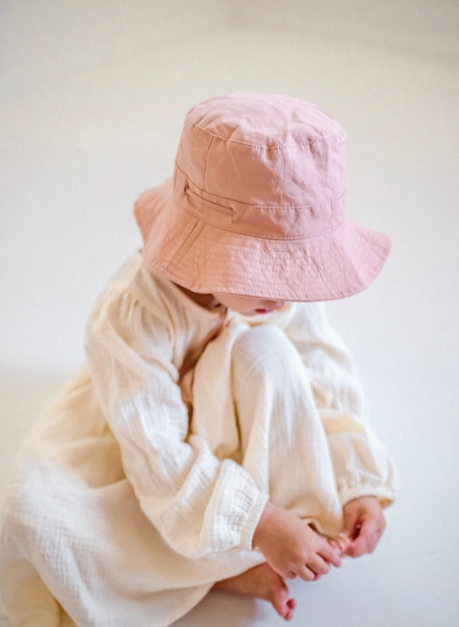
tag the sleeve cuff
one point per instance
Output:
(253, 520)
(385, 496)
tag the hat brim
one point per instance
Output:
(206, 259)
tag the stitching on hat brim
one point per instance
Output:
(305, 290)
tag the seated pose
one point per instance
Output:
(214, 436)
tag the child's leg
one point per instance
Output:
(281, 439)
(284, 444)
(272, 413)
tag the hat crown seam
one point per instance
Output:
(205, 164)
(309, 142)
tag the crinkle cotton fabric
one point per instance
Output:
(124, 511)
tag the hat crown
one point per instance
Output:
(264, 150)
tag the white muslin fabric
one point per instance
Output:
(129, 503)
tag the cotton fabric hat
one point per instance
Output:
(257, 205)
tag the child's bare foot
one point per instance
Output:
(340, 543)
(264, 583)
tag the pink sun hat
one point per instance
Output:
(257, 205)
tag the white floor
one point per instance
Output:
(402, 116)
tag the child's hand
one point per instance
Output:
(291, 547)
(363, 525)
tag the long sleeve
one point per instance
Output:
(199, 504)
(362, 464)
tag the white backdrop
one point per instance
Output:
(93, 96)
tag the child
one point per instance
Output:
(214, 435)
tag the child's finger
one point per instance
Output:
(355, 531)
(352, 526)
(357, 547)
(364, 541)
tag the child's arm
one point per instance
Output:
(291, 547)
(199, 504)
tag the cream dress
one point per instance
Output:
(143, 484)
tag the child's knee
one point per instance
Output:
(264, 349)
